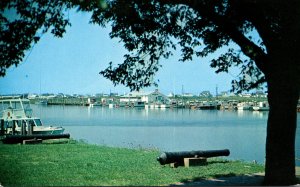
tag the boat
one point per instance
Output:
(16, 118)
(164, 106)
(262, 106)
(139, 104)
(243, 106)
(209, 106)
(41, 102)
(97, 104)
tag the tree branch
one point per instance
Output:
(228, 26)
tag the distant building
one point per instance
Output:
(224, 94)
(107, 100)
(247, 95)
(188, 95)
(47, 95)
(147, 97)
(114, 94)
(171, 94)
(32, 96)
(260, 93)
(205, 94)
(60, 95)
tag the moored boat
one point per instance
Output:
(209, 106)
(41, 102)
(243, 106)
(16, 118)
(262, 106)
(140, 104)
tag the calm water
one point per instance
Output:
(242, 132)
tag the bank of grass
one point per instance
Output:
(77, 164)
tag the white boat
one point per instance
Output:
(243, 106)
(163, 106)
(41, 102)
(17, 113)
(151, 106)
(262, 106)
(111, 105)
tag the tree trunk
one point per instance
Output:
(283, 95)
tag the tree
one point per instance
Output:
(148, 29)
(152, 29)
(23, 22)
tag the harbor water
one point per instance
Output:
(242, 132)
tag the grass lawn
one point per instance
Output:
(76, 164)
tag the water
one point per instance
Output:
(242, 132)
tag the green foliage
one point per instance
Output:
(78, 164)
(23, 22)
(151, 30)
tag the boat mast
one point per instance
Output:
(217, 92)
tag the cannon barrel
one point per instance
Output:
(12, 139)
(172, 157)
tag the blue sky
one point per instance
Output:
(71, 65)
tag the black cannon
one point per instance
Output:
(175, 157)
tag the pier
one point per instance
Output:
(194, 103)
(14, 139)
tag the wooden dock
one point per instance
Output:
(14, 139)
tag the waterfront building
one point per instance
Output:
(32, 96)
(171, 95)
(187, 95)
(147, 97)
(205, 94)
(246, 95)
(223, 94)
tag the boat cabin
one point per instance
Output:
(15, 109)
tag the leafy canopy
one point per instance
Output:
(151, 30)
(22, 24)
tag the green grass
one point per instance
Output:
(76, 164)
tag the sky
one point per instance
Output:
(71, 65)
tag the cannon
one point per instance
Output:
(177, 157)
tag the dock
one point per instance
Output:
(35, 138)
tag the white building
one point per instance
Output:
(147, 97)
(188, 95)
(32, 96)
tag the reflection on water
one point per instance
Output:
(260, 114)
(243, 132)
